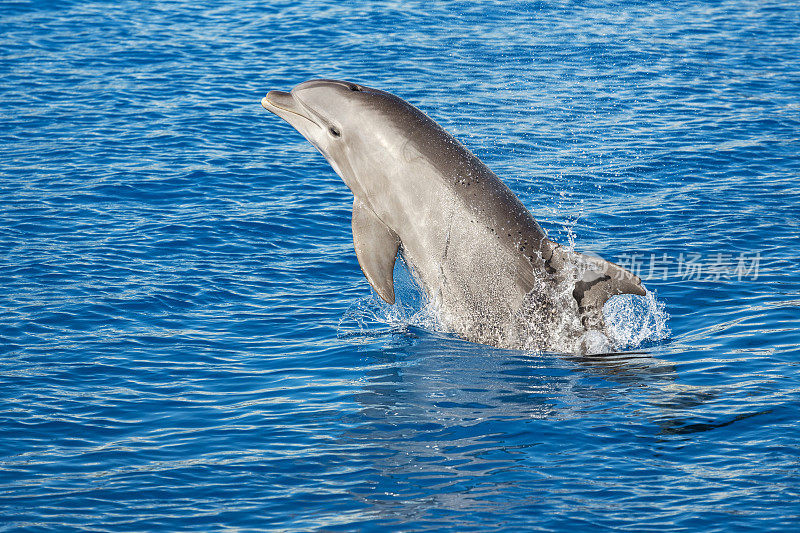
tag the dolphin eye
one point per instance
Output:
(335, 131)
(355, 88)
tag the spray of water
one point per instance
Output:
(550, 323)
(549, 320)
(633, 321)
(370, 316)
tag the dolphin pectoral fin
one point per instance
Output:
(376, 249)
(601, 280)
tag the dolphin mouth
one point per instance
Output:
(281, 100)
(291, 109)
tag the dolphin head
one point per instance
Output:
(316, 109)
(329, 113)
(345, 121)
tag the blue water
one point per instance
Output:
(187, 341)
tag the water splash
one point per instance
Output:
(549, 321)
(632, 321)
(370, 316)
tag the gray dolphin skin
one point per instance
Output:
(483, 262)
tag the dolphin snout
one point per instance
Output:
(280, 100)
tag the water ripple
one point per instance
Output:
(188, 343)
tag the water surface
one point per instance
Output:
(187, 342)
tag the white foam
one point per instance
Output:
(633, 320)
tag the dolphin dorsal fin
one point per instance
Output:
(376, 249)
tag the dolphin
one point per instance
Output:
(482, 260)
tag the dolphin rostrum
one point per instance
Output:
(482, 260)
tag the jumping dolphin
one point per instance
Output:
(475, 249)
